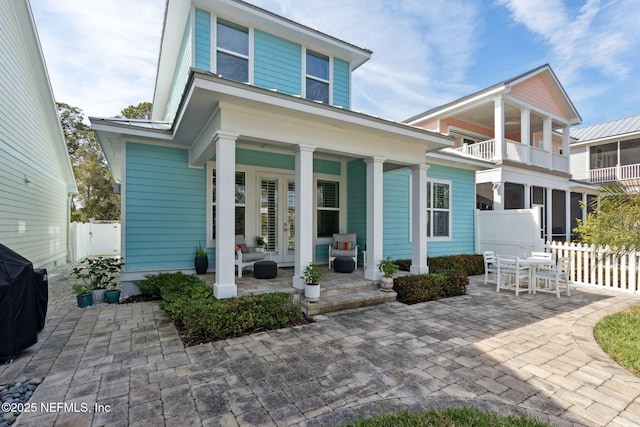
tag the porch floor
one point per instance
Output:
(331, 280)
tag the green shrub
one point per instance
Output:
(471, 265)
(417, 288)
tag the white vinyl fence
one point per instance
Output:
(94, 239)
(599, 267)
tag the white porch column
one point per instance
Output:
(225, 285)
(547, 139)
(419, 219)
(498, 129)
(584, 206)
(304, 193)
(567, 215)
(375, 220)
(527, 196)
(525, 131)
(566, 142)
(498, 196)
(549, 207)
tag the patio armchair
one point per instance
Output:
(490, 265)
(554, 273)
(245, 257)
(344, 245)
(510, 274)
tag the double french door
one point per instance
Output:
(276, 211)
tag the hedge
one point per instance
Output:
(418, 288)
(471, 265)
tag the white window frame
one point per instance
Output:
(211, 204)
(305, 75)
(215, 49)
(342, 200)
(430, 182)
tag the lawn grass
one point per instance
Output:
(619, 336)
(458, 417)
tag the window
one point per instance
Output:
(328, 214)
(241, 193)
(438, 209)
(232, 54)
(317, 77)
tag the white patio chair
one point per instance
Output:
(490, 265)
(509, 268)
(555, 273)
(344, 245)
(244, 256)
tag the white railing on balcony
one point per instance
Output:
(615, 173)
(485, 150)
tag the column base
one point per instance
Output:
(298, 283)
(225, 291)
(373, 275)
(419, 269)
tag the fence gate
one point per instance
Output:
(104, 239)
(509, 232)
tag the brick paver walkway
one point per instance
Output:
(125, 364)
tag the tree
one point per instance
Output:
(95, 198)
(615, 220)
(141, 111)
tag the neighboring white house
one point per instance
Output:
(35, 171)
(606, 152)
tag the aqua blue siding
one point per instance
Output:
(181, 74)
(277, 63)
(203, 39)
(341, 83)
(283, 161)
(463, 196)
(165, 208)
(357, 201)
(396, 213)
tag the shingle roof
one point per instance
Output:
(607, 129)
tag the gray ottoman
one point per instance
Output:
(265, 269)
(343, 264)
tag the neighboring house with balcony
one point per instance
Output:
(252, 134)
(607, 152)
(522, 127)
(35, 171)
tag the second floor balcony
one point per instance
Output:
(615, 173)
(515, 151)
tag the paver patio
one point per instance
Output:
(494, 351)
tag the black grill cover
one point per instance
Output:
(18, 304)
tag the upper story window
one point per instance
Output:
(232, 52)
(317, 77)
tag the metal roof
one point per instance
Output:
(607, 129)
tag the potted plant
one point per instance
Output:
(83, 294)
(99, 274)
(112, 294)
(201, 260)
(260, 243)
(312, 276)
(388, 269)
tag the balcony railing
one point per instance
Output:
(615, 173)
(517, 152)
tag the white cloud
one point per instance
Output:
(101, 56)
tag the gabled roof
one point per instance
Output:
(504, 87)
(619, 127)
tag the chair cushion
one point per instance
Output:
(252, 256)
(338, 252)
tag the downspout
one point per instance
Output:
(70, 256)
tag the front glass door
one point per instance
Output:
(277, 217)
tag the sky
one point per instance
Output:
(102, 55)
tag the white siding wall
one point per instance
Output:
(33, 214)
(578, 159)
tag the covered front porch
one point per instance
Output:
(338, 291)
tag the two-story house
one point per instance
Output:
(607, 152)
(252, 134)
(521, 126)
(35, 171)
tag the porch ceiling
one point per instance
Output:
(271, 119)
(483, 116)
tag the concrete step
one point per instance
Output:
(346, 301)
(330, 290)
